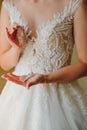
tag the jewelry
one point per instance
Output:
(29, 75)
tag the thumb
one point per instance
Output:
(22, 78)
(28, 84)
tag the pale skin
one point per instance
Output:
(10, 51)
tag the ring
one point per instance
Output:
(29, 75)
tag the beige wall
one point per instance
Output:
(82, 81)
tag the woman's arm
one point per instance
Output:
(4, 22)
(9, 52)
(79, 69)
(68, 73)
(9, 59)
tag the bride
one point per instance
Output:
(37, 38)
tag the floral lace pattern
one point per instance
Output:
(53, 106)
(53, 47)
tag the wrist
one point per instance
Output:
(16, 49)
(50, 78)
(46, 78)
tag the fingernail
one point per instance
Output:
(22, 80)
(26, 87)
(3, 75)
(6, 29)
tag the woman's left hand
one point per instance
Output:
(33, 80)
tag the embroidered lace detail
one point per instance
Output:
(53, 47)
(53, 106)
(15, 15)
(75, 5)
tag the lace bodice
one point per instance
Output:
(53, 47)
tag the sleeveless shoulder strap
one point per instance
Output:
(8, 4)
(15, 15)
(75, 5)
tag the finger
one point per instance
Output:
(21, 32)
(21, 78)
(13, 76)
(15, 28)
(26, 78)
(8, 34)
(10, 37)
(28, 85)
(13, 36)
(3, 76)
(16, 76)
(15, 81)
(14, 24)
(8, 76)
(23, 27)
(14, 33)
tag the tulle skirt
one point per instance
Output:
(50, 106)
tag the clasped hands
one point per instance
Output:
(34, 79)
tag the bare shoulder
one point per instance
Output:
(7, 0)
(80, 31)
(80, 14)
(4, 22)
(10, 1)
(81, 10)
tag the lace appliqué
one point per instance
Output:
(53, 47)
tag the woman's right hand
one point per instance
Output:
(17, 38)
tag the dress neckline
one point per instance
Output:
(59, 15)
(49, 21)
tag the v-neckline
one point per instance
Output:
(44, 24)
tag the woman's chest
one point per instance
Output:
(37, 14)
(43, 23)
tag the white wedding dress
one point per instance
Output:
(53, 106)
